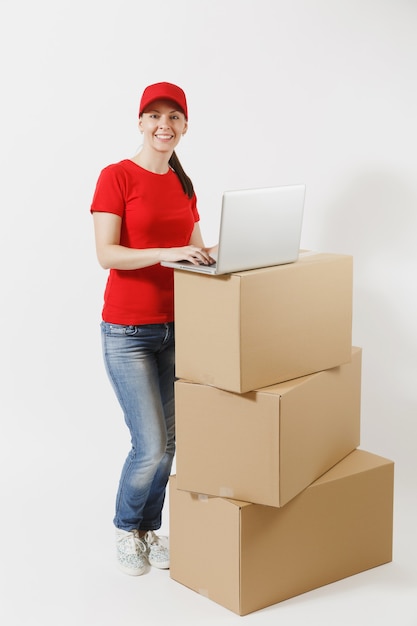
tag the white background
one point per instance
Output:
(321, 92)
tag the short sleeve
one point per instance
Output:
(194, 208)
(109, 195)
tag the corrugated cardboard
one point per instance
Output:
(249, 330)
(266, 446)
(249, 556)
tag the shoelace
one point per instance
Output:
(152, 539)
(134, 541)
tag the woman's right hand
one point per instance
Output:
(112, 255)
(194, 254)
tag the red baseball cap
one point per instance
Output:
(164, 91)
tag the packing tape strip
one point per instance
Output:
(226, 492)
(204, 592)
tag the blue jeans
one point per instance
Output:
(140, 364)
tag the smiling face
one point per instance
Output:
(162, 125)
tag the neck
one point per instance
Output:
(156, 163)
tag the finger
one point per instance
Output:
(200, 257)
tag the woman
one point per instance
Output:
(145, 212)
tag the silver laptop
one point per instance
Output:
(258, 228)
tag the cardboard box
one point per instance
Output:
(253, 329)
(249, 556)
(266, 446)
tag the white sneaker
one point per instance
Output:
(131, 552)
(157, 552)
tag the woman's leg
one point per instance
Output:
(140, 364)
(153, 507)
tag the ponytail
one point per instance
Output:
(185, 180)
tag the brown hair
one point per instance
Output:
(186, 183)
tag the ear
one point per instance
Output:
(185, 128)
(140, 125)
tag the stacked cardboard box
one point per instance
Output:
(270, 484)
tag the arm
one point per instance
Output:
(196, 239)
(111, 254)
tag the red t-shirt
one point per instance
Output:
(156, 213)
